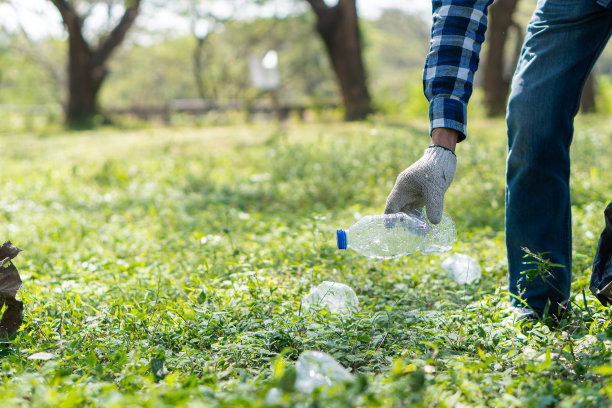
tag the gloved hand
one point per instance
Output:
(424, 184)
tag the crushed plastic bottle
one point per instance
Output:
(462, 268)
(337, 297)
(390, 236)
(439, 237)
(315, 369)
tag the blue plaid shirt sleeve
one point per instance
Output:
(457, 34)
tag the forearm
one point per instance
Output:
(445, 137)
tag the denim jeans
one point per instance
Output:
(564, 39)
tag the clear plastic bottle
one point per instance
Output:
(390, 236)
(439, 237)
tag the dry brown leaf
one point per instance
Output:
(10, 282)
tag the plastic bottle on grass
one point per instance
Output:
(390, 236)
(316, 369)
(337, 297)
(462, 268)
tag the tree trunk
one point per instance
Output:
(197, 67)
(339, 29)
(87, 64)
(496, 84)
(82, 86)
(587, 102)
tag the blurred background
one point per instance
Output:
(83, 63)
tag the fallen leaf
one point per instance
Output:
(11, 318)
(10, 283)
(8, 250)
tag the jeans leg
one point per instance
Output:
(564, 38)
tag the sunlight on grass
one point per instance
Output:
(189, 250)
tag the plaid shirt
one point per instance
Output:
(457, 34)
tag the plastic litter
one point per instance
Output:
(440, 237)
(337, 297)
(315, 369)
(42, 355)
(274, 397)
(462, 268)
(390, 236)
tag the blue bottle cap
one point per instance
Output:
(341, 236)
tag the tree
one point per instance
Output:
(45, 54)
(496, 82)
(205, 20)
(87, 64)
(338, 27)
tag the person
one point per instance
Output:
(564, 39)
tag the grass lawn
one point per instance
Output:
(165, 268)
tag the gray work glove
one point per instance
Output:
(424, 184)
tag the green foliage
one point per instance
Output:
(161, 69)
(542, 265)
(394, 50)
(604, 93)
(30, 99)
(165, 267)
(167, 76)
(395, 46)
(306, 76)
(24, 82)
(153, 68)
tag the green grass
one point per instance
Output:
(193, 248)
